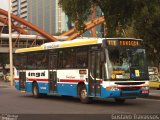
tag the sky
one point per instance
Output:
(4, 4)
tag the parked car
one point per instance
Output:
(1, 74)
(7, 77)
(154, 81)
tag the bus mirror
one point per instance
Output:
(103, 58)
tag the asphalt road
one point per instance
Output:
(15, 102)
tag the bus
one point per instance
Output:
(84, 67)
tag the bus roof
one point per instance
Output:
(64, 44)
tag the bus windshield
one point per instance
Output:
(125, 64)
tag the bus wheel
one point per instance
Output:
(83, 94)
(35, 90)
(119, 100)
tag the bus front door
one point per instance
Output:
(94, 88)
(53, 73)
(22, 80)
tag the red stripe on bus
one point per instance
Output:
(68, 80)
(35, 79)
(61, 80)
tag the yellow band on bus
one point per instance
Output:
(86, 42)
(29, 49)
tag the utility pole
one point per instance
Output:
(10, 42)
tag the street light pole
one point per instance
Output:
(10, 42)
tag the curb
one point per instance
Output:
(154, 96)
(4, 86)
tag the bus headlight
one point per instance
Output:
(112, 88)
(145, 88)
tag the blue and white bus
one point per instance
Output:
(84, 67)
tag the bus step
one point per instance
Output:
(23, 91)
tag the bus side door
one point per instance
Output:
(22, 71)
(52, 73)
(22, 80)
(95, 73)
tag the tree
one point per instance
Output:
(138, 16)
(147, 27)
(117, 12)
(77, 10)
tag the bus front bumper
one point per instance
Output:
(124, 94)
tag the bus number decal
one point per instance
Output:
(82, 72)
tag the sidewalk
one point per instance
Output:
(4, 84)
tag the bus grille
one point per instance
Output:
(130, 94)
(129, 88)
(129, 83)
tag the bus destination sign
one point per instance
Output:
(129, 43)
(133, 43)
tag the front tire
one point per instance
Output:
(83, 94)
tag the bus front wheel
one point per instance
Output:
(35, 90)
(83, 94)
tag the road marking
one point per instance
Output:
(149, 99)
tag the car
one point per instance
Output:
(154, 81)
(7, 77)
(1, 74)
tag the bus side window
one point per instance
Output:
(42, 61)
(31, 61)
(69, 58)
(20, 61)
(60, 59)
(82, 58)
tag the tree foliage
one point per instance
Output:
(116, 12)
(147, 27)
(142, 17)
(77, 10)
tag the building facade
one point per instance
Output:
(46, 14)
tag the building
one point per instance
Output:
(46, 14)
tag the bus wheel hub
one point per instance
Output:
(83, 94)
